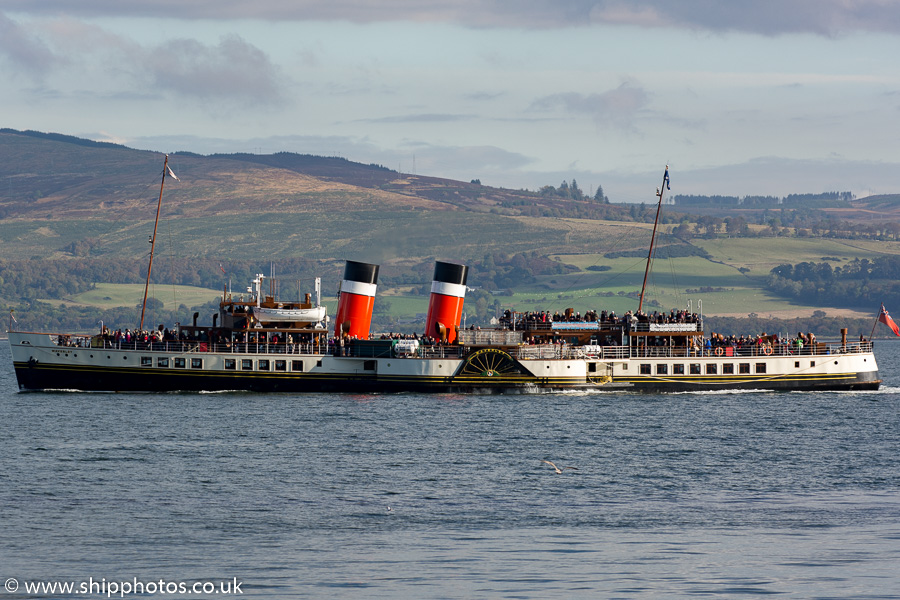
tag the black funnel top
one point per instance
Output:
(361, 272)
(450, 273)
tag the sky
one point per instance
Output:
(769, 97)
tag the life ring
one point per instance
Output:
(767, 350)
(719, 351)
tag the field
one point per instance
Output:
(762, 255)
(715, 285)
(111, 295)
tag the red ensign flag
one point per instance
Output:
(885, 318)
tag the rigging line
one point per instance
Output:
(658, 287)
(626, 232)
(171, 255)
(115, 219)
(617, 275)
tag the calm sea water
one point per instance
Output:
(410, 496)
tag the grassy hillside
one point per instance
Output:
(62, 198)
(111, 295)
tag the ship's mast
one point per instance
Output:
(659, 194)
(153, 240)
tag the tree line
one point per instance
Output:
(862, 283)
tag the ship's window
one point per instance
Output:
(592, 367)
(645, 369)
(280, 365)
(662, 369)
(319, 363)
(695, 368)
(711, 368)
(796, 364)
(812, 363)
(760, 367)
(162, 362)
(230, 364)
(263, 364)
(179, 363)
(743, 368)
(297, 365)
(369, 365)
(196, 363)
(678, 369)
(624, 366)
(728, 369)
(146, 361)
(246, 364)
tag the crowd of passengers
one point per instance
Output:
(532, 319)
(708, 346)
(128, 337)
(762, 342)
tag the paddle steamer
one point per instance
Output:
(262, 344)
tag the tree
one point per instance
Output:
(736, 226)
(574, 192)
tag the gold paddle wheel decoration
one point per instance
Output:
(491, 362)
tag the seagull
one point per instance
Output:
(557, 469)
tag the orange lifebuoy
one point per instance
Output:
(767, 350)
(719, 351)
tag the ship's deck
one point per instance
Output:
(383, 348)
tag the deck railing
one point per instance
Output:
(522, 352)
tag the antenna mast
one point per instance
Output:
(659, 194)
(153, 240)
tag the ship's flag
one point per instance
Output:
(222, 268)
(13, 317)
(171, 173)
(666, 178)
(885, 318)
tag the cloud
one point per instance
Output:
(418, 118)
(766, 17)
(455, 162)
(764, 176)
(466, 162)
(24, 50)
(233, 69)
(618, 107)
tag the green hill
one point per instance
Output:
(83, 207)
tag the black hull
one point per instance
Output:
(38, 377)
(52, 378)
(861, 382)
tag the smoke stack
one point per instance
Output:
(354, 314)
(448, 290)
